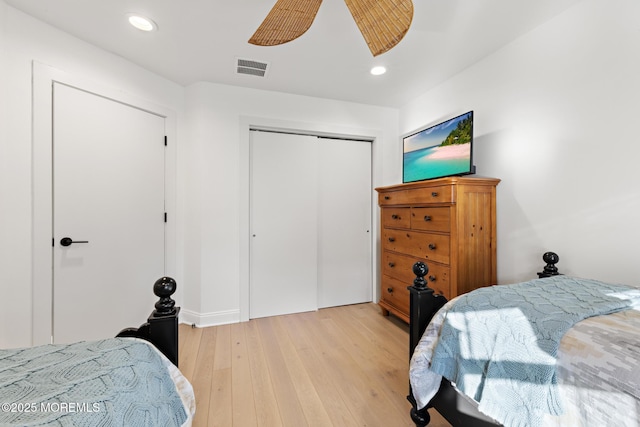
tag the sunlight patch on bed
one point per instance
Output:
(471, 346)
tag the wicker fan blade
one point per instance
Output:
(287, 20)
(383, 23)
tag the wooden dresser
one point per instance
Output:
(449, 223)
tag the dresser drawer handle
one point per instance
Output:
(390, 290)
(434, 194)
(391, 264)
(394, 216)
(432, 246)
(387, 197)
(427, 217)
(432, 278)
(392, 239)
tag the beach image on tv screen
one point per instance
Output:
(438, 151)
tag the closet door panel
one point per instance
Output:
(344, 222)
(284, 218)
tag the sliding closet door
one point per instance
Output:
(310, 223)
(344, 222)
(284, 238)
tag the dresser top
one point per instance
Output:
(454, 180)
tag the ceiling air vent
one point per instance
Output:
(252, 67)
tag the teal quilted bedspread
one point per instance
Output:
(113, 382)
(499, 344)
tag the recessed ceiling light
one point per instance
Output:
(142, 23)
(379, 70)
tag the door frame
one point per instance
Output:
(44, 77)
(320, 129)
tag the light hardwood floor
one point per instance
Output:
(341, 366)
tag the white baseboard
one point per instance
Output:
(202, 320)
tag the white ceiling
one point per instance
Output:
(200, 40)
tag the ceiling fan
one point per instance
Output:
(383, 23)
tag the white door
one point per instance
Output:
(310, 223)
(284, 240)
(344, 227)
(108, 191)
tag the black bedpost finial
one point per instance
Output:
(164, 288)
(551, 258)
(420, 269)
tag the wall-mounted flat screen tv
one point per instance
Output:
(440, 150)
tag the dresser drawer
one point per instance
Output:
(395, 293)
(434, 247)
(400, 267)
(437, 194)
(431, 219)
(438, 279)
(393, 198)
(440, 194)
(394, 217)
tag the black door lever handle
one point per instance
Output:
(67, 241)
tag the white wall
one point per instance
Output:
(216, 190)
(556, 116)
(23, 40)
